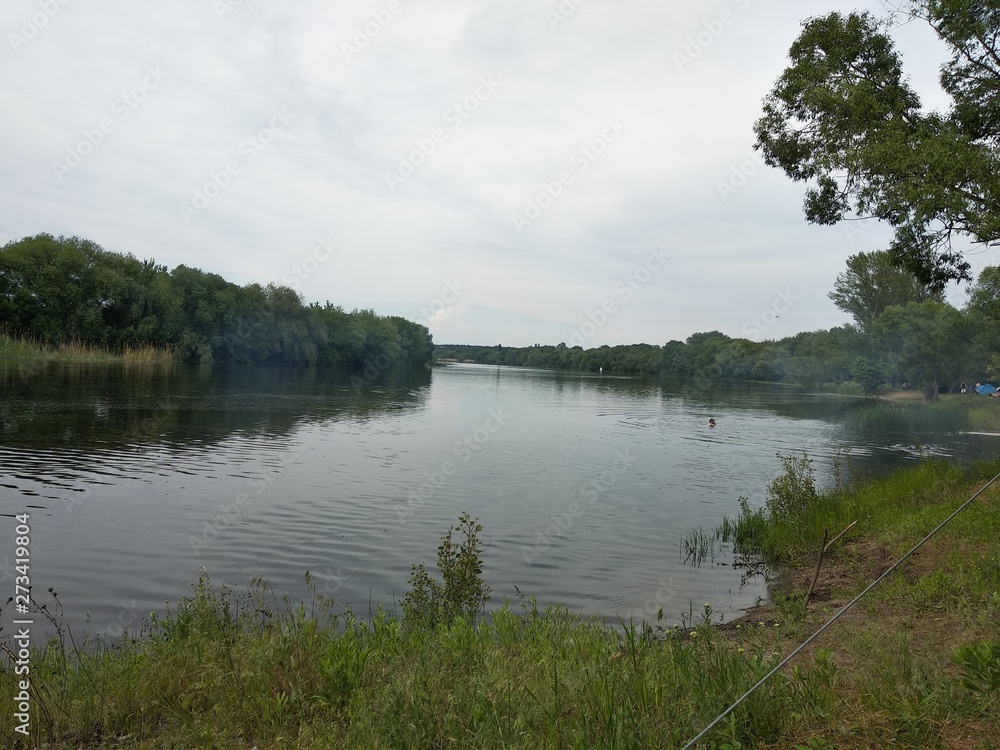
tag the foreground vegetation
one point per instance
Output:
(916, 665)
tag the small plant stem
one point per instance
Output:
(819, 564)
(822, 552)
(846, 529)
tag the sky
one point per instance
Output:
(517, 172)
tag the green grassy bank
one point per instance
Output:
(907, 412)
(242, 670)
(19, 349)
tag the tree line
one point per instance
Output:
(61, 289)
(903, 332)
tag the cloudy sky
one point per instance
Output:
(507, 172)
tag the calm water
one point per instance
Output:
(586, 485)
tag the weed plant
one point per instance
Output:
(20, 349)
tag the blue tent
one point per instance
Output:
(985, 389)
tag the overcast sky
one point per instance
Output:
(507, 172)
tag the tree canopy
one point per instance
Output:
(872, 283)
(69, 289)
(843, 119)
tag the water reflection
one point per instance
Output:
(131, 470)
(105, 406)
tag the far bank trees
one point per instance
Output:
(58, 290)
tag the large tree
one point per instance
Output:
(926, 340)
(983, 310)
(843, 119)
(872, 283)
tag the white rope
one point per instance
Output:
(833, 619)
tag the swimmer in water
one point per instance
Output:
(711, 423)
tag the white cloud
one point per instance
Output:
(688, 128)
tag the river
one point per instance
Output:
(586, 485)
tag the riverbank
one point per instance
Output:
(909, 412)
(243, 670)
(23, 350)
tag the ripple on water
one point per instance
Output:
(358, 495)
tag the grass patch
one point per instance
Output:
(914, 666)
(912, 415)
(20, 349)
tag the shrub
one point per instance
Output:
(792, 492)
(462, 591)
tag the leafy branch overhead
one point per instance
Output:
(843, 119)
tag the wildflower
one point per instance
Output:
(694, 633)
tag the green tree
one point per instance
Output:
(868, 374)
(61, 289)
(983, 309)
(843, 119)
(872, 283)
(984, 295)
(927, 340)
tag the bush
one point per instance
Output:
(462, 591)
(791, 493)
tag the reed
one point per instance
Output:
(20, 349)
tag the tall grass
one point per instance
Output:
(950, 413)
(19, 348)
(223, 670)
(912, 417)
